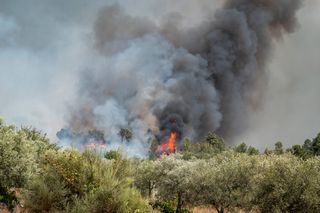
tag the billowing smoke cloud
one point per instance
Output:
(155, 66)
(147, 75)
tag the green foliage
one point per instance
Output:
(215, 141)
(175, 180)
(204, 173)
(253, 151)
(206, 148)
(232, 181)
(146, 178)
(226, 181)
(8, 197)
(19, 151)
(153, 148)
(112, 155)
(184, 211)
(278, 148)
(107, 199)
(164, 207)
(288, 184)
(315, 146)
(125, 134)
(241, 148)
(309, 149)
(72, 181)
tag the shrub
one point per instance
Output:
(164, 207)
(20, 150)
(8, 197)
(83, 182)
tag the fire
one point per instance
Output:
(96, 146)
(169, 145)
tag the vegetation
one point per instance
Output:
(203, 173)
(125, 134)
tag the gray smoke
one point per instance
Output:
(201, 78)
(240, 45)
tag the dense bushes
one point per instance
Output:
(288, 184)
(20, 150)
(230, 180)
(204, 173)
(82, 182)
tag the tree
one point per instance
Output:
(316, 145)
(207, 147)
(301, 152)
(216, 141)
(241, 148)
(229, 184)
(20, 150)
(112, 154)
(308, 149)
(70, 181)
(253, 151)
(125, 134)
(278, 148)
(287, 184)
(146, 178)
(175, 180)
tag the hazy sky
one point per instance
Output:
(45, 44)
(291, 110)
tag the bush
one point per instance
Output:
(288, 184)
(107, 199)
(20, 150)
(7, 197)
(112, 155)
(83, 182)
(164, 207)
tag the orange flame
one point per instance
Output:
(96, 146)
(169, 145)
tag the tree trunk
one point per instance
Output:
(180, 203)
(150, 190)
(220, 209)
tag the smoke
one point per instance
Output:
(155, 81)
(291, 103)
(184, 66)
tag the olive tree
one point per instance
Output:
(288, 184)
(175, 180)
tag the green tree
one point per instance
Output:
(316, 145)
(125, 134)
(287, 184)
(20, 150)
(206, 148)
(175, 180)
(241, 148)
(253, 151)
(70, 181)
(228, 185)
(146, 178)
(112, 155)
(216, 141)
(278, 148)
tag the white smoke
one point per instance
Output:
(44, 53)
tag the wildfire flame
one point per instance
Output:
(96, 146)
(169, 145)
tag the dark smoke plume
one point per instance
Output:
(206, 78)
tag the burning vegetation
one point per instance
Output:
(178, 82)
(168, 146)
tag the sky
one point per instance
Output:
(44, 45)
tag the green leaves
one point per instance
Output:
(71, 181)
(19, 154)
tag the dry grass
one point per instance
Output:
(203, 209)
